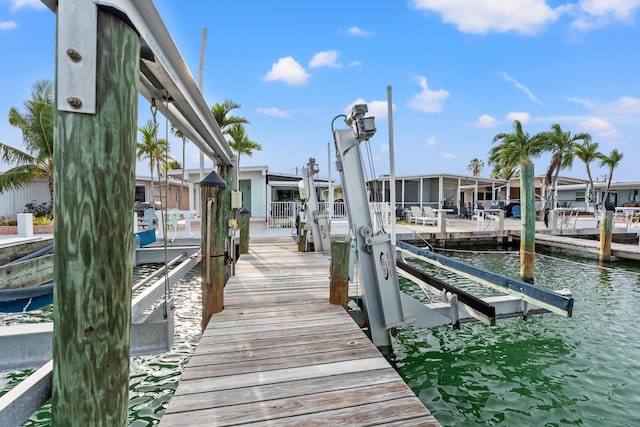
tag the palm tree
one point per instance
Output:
(153, 149)
(174, 165)
(221, 113)
(36, 125)
(240, 142)
(514, 149)
(475, 166)
(588, 152)
(561, 145)
(501, 172)
(611, 161)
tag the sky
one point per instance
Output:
(460, 72)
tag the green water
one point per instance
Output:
(153, 378)
(546, 371)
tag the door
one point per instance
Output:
(245, 188)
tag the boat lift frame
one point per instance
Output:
(386, 306)
(318, 222)
(31, 345)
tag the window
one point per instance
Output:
(580, 196)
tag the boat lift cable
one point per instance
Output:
(470, 251)
(167, 287)
(581, 264)
(154, 111)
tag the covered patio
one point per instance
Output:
(441, 191)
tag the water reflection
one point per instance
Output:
(153, 378)
(547, 370)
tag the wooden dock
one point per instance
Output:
(618, 250)
(280, 354)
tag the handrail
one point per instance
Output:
(164, 75)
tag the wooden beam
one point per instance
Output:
(245, 227)
(212, 295)
(606, 236)
(23, 274)
(94, 193)
(528, 222)
(339, 285)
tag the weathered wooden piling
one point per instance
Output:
(94, 193)
(339, 285)
(606, 236)
(245, 227)
(212, 256)
(528, 222)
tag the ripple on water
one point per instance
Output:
(153, 378)
(544, 371)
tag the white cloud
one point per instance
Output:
(8, 25)
(355, 63)
(377, 109)
(273, 112)
(34, 4)
(600, 128)
(449, 156)
(431, 141)
(520, 86)
(429, 101)
(581, 101)
(327, 58)
(384, 148)
(484, 16)
(622, 105)
(359, 32)
(289, 71)
(522, 117)
(598, 13)
(486, 121)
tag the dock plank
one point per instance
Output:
(280, 354)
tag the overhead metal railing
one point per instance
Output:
(164, 75)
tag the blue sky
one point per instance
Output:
(461, 72)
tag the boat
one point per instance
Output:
(27, 298)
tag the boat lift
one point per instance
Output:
(31, 345)
(386, 306)
(318, 222)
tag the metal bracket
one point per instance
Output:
(77, 56)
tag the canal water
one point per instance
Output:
(545, 371)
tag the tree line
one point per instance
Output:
(516, 148)
(36, 161)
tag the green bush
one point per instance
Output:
(42, 220)
(8, 222)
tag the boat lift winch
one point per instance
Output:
(386, 306)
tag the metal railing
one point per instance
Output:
(283, 214)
